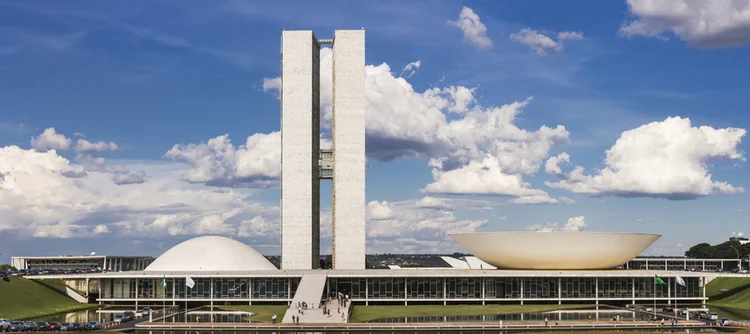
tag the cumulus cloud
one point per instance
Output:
(127, 177)
(717, 23)
(574, 224)
(667, 159)
(85, 146)
(37, 200)
(411, 68)
(410, 228)
(433, 202)
(541, 43)
(446, 125)
(50, 140)
(379, 210)
(475, 33)
(257, 164)
(272, 84)
(552, 164)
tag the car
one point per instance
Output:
(119, 319)
(76, 326)
(146, 310)
(17, 326)
(94, 325)
(31, 326)
(128, 316)
(138, 314)
(66, 326)
(42, 326)
(4, 325)
(54, 326)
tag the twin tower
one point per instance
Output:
(304, 163)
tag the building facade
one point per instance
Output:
(302, 166)
(71, 262)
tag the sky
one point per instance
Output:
(128, 127)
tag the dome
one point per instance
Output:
(211, 253)
(555, 250)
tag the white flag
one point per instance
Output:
(189, 282)
(679, 280)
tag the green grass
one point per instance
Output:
(722, 285)
(262, 313)
(362, 313)
(729, 292)
(21, 298)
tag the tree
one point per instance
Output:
(7, 267)
(699, 251)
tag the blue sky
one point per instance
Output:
(139, 95)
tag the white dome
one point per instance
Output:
(211, 253)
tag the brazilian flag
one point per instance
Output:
(658, 281)
(164, 281)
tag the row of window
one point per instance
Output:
(401, 287)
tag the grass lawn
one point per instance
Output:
(729, 292)
(362, 313)
(262, 313)
(718, 284)
(21, 298)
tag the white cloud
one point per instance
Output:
(272, 85)
(569, 35)
(541, 199)
(257, 164)
(50, 140)
(552, 164)
(78, 134)
(574, 224)
(36, 200)
(416, 229)
(379, 210)
(541, 43)
(411, 68)
(475, 33)
(433, 202)
(127, 177)
(665, 159)
(716, 23)
(85, 146)
(101, 229)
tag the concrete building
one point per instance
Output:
(302, 166)
(69, 262)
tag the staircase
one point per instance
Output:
(310, 291)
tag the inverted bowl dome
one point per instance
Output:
(211, 253)
(555, 250)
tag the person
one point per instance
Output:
(501, 323)
(545, 321)
(556, 323)
(273, 319)
(662, 321)
(589, 318)
(294, 319)
(338, 310)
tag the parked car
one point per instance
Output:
(17, 326)
(118, 319)
(94, 325)
(65, 326)
(42, 326)
(54, 326)
(4, 325)
(76, 326)
(31, 326)
(146, 310)
(138, 314)
(128, 316)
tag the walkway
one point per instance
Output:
(309, 291)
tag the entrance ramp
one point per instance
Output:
(310, 291)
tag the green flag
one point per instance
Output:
(658, 280)
(164, 281)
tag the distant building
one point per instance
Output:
(742, 240)
(69, 262)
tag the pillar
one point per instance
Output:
(300, 146)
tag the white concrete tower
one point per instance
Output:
(349, 149)
(300, 146)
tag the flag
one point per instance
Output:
(680, 281)
(164, 281)
(189, 282)
(658, 280)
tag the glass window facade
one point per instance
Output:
(407, 288)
